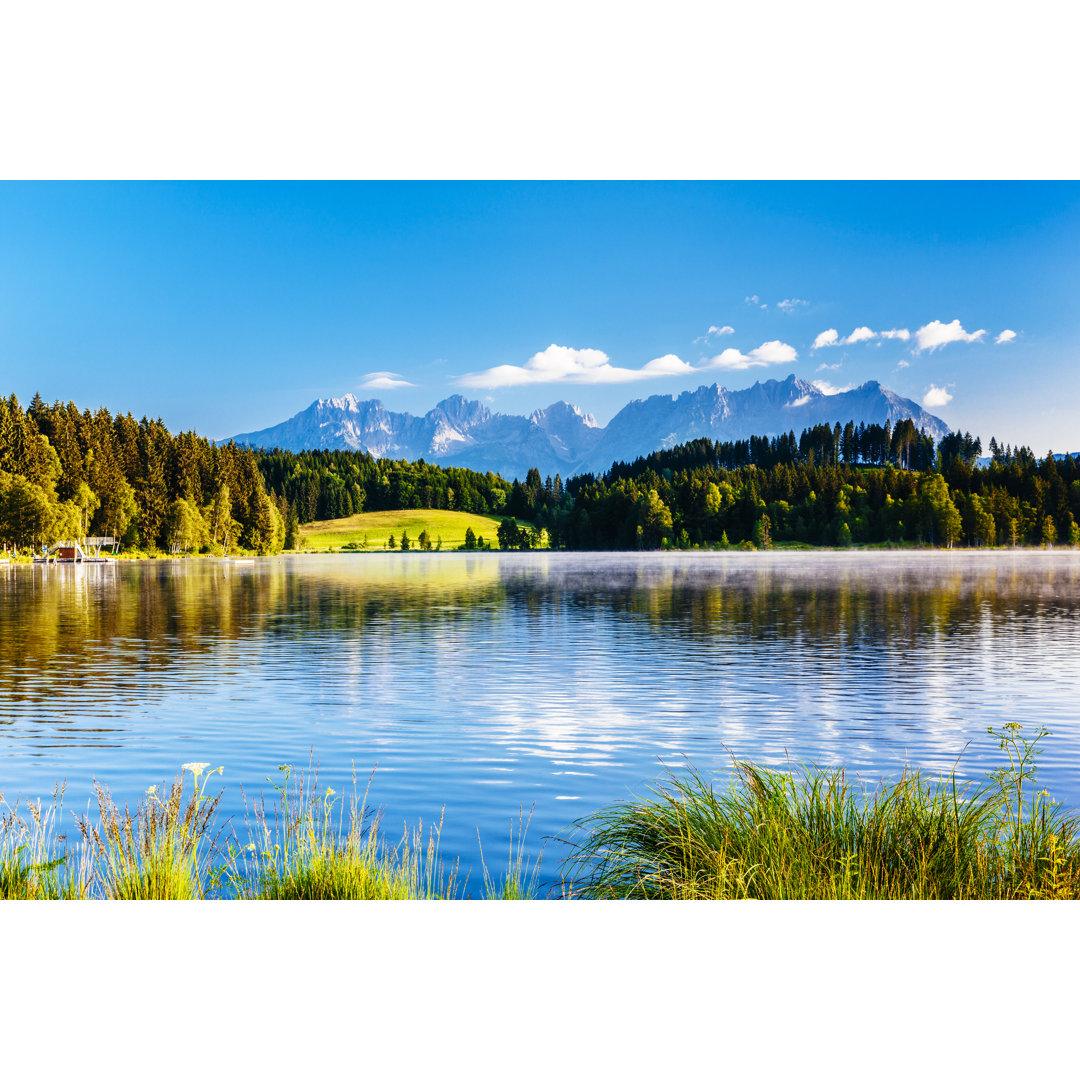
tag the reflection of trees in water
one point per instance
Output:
(103, 632)
(66, 631)
(851, 605)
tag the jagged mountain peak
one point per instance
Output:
(349, 402)
(562, 411)
(459, 410)
(561, 438)
(779, 389)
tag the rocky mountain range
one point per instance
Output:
(563, 439)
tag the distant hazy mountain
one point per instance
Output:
(456, 432)
(563, 439)
(768, 408)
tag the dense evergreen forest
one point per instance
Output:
(323, 484)
(66, 474)
(831, 486)
(855, 484)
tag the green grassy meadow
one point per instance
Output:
(370, 531)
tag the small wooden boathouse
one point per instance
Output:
(88, 551)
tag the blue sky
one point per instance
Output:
(228, 307)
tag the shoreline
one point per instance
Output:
(776, 549)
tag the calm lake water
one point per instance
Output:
(483, 685)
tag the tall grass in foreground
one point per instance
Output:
(815, 835)
(522, 880)
(299, 852)
(309, 845)
(769, 835)
(36, 862)
(162, 851)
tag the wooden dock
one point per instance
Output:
(89, 551)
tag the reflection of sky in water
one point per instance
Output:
(484, 684)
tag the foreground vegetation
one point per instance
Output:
(309, 844)
(770, 835)
(817, 836)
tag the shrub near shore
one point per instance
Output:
(817, 836)
(770, 835)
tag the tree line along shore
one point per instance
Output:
(66, 474)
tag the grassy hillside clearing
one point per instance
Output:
(370, 531)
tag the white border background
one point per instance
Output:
(536, 91)
(580, 90)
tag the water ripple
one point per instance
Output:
(481, 685)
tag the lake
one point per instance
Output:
(480, 686)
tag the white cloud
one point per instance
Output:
(731, 359)
(383, 380)
(774, 352)
(755, 301)
(830, 367)
(828, 388)
(663, 365)
(1005, 337)
(804, 400)
(860, 333)
(559, 363)
(936, 396)
(790, 305)
(766, 354)
(714, 331)
(901, 364)
(936, 334)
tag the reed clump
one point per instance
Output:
(522, 878)
(313, 846)
(815, 835)
(36, 861)
(164, 850)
